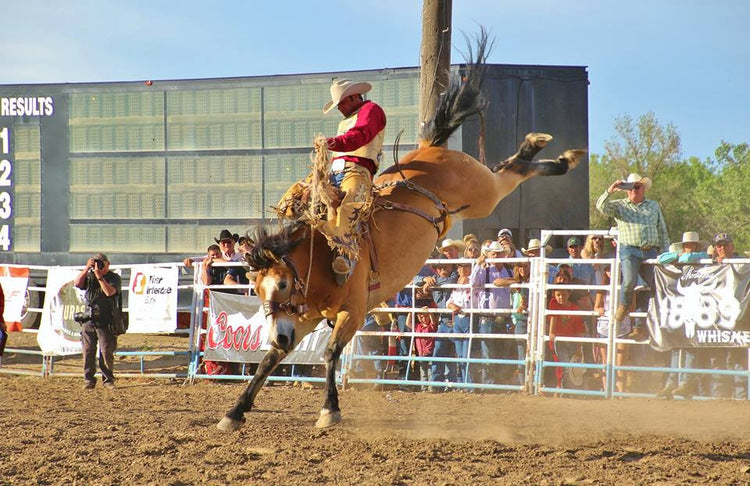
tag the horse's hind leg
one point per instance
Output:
(343, 332)
(234, 418)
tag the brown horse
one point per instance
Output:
(294, 278)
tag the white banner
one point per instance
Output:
(14, 281)
(236, 334)
(58, 333)
(152, 300)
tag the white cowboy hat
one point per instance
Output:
(535, 244)
(460, 245)
(495, 246)
(632, 178)
(341, 88)
(689, 237)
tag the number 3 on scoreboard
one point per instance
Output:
(5, 237)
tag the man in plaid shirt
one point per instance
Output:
(643, 234)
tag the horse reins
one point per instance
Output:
(271, 306)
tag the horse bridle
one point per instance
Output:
(272, 306)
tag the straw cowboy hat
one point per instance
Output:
(690, 237)
(633, 178)
(535, 244)
(341, 88)
(460, 245)
(495, 246)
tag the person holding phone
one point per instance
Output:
(643, 235)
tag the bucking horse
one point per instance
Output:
(418, 198)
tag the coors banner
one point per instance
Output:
(700, 306)
(236, 334)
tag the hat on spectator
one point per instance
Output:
(341, 88)
(633, 178)
(722, 237)
(573, 241)
(690, 237)
(493, 247)
(227, 235)
(576, 374)
(447, 243)
(534, 245)
(505, 233)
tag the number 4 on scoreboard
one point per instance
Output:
(5, 237)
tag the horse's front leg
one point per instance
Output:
(234, 418)
(346, 325)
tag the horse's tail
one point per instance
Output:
(462, 99)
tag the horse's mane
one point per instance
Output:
(462, 99)
(269, 247)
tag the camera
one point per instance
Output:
(626, 186)
(99, 263)
(88, 315)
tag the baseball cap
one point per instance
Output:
(505, 233)
(574, 241)
(722, 237)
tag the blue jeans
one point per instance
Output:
(489, 349)
(443, 349)
(631, 265)
(373, 346)
(461, 326)
(403, 347)
(689, 359)
(521, 329)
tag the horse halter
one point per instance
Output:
(272, 306)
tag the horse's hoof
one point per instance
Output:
(328, 419)
(229, 425)
(574, 157)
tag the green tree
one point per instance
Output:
(644, 147)
(705, 196)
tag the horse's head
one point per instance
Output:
(278, 283)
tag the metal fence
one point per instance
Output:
(385, 356)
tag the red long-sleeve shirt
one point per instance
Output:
(370, 122)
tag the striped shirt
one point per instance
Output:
(639, 224)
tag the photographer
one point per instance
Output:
(102, 294)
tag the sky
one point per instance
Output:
(687, 61)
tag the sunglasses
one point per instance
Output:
(637, 187)
(597, 238)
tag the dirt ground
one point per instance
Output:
(159, 431)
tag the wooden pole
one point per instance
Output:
(435, 55)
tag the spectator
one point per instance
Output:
(3, 328)
(102, 295)
(211, 275)
(462, 299)
(733, 358)
(565, 326)
(643, 233)
(582, 271)
(622, 329)
(425, 346)
(505, 238)
(688, 251)
(596, 247)
(484, 274)
(473, 250)
(373, 346)
(580, 297)
(214, 275)
(451, 248)
(357, 149)
(443, 347)
(226, 242)
(519, 305)
(535, 249)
